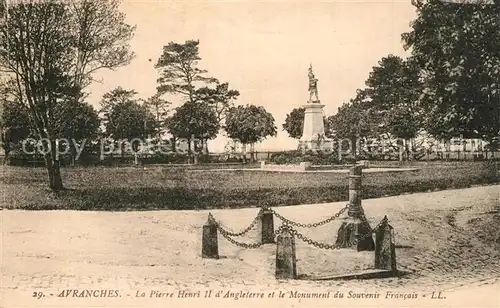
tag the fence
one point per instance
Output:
(356, 233)
(285, 235)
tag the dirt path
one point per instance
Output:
(446, 239)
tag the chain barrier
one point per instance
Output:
(305, 239)
(310, 225)
(287, 226)
(242, 232)
(227, 236)
(316, 244)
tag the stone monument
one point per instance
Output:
(313, 134)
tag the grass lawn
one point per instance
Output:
(129, 188)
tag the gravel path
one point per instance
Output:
(447, 239)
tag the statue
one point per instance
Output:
(313, 86)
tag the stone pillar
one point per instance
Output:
(385, 249)
(356, 226)
(286, 262)
(209, 243)
(267, 226)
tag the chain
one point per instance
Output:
(310, 225)
(227, 236)
(316, 244)
(242, 232)
(305, 239)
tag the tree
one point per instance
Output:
(220, 98)
(76, 122)
(50, 49)
(193, 121)
(159, 108)
(294, 123)
(249, 124)
(352, 121)
(394, 90)
(79, 124)
(179, 72)
(456, 48)
(15, 126)
(124, 118)
(3, 9)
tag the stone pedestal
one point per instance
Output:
(314, 126)
(355, 225)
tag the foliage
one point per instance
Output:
(394, 89)
(352, 119)
(124, 118)
(249, 124)
(196, 120)
(457, 50)
(179, 71)
(294, 123)
(77, 121)
(219, 98)
(14, 114)
(159, 108)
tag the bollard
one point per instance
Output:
(355, 226)
(209, 243)
(286, 262)
(355, 175)
(267, 226)
(385, 249)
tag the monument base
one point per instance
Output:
(325, 145)
(350, 230)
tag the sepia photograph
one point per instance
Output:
(218, 153)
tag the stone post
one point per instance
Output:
(209, 243)
(267, 226)
(286, 262)
(355, 175)
(385, 249)
(304, 166)
(262, 164)
(356, 226)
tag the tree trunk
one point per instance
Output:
(53, 169)
(252, 152)
(173, 140)
(73, 154)
(244, 152)
(189, 151)
(354, 144)
(205, 147)
(407, 150)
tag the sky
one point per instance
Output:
(264, 49)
